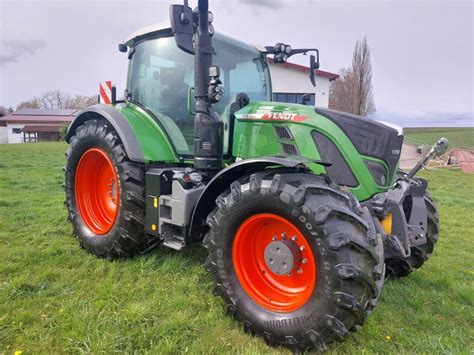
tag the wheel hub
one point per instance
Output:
(282, 257)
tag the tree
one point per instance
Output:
(63, 130)
(33, 103)
(82, 101)
(3, 111)
(353, 91)
(57, 99)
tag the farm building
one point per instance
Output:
(291, 81)
(33, 125)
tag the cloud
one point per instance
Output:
(267, 4)
(12, 51)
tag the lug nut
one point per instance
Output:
(302, 248)
(293, 238)
(304, 261)
(283, 235)
(274, 238)
(299, 271)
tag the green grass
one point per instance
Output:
(462, 137)
(57, 298)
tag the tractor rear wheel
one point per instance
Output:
(295, 258)
(105, 193)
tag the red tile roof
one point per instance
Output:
(41, 128)
(15, 118)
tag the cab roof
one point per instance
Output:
(163, 28)
(154, 29)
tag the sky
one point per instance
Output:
(422, 51)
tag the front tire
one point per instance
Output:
(105, 193)
(319, 300)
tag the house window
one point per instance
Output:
(16, 130)
(292, 98)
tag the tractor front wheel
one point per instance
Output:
(105, 193)
(295, 258)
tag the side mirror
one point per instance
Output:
(313, 65)
(305, 99)
(181, 18)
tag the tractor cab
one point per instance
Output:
(161, 80)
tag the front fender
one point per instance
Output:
(225, 177)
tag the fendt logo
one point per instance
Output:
(273, 116)
(284, 116)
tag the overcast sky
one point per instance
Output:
(422, 51)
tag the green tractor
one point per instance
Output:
(303, 210)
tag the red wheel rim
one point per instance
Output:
(278, 293)
(97, 192)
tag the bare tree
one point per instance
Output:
(82, 101)
(340, 91)
(353, 91)
(3, 111)
(57, 99)
(33, 103)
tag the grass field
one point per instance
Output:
(458, 137)
(56, 298)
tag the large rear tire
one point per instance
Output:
(335, 280)
(105, 193)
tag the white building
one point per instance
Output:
(32, 125)
(3, 133)
(291, 81)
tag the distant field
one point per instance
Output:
(55, 298)
(460, 137)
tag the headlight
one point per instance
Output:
(287, 49)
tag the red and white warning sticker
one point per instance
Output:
(105, 90)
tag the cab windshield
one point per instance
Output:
(161, 77)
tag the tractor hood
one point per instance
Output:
(292, 129)
(273, 111)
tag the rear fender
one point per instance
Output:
(117, 120)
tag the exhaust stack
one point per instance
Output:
(208, 126)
